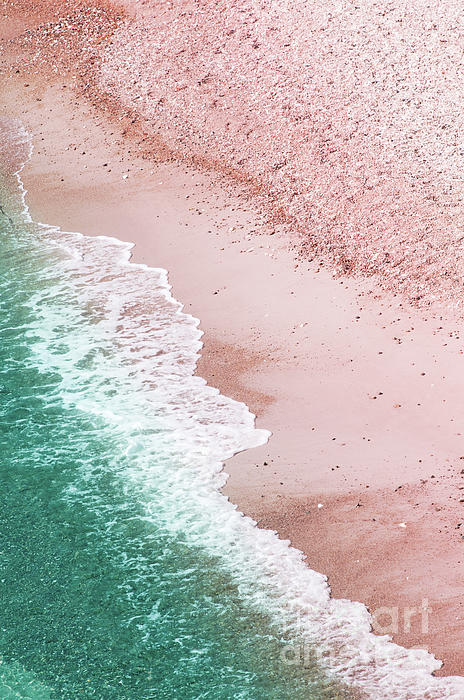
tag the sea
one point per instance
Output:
(124, 571)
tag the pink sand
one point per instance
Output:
(347, 117)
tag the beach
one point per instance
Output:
(361, 390)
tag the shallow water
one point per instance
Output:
(106, 473)
(125, 573)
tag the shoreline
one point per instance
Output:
(379, 386)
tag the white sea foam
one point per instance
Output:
(128, 333)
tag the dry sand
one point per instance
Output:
(364, 395)
(348, 114)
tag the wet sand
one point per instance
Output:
(363, 393)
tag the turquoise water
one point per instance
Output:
(107, 589)
(124, 572)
